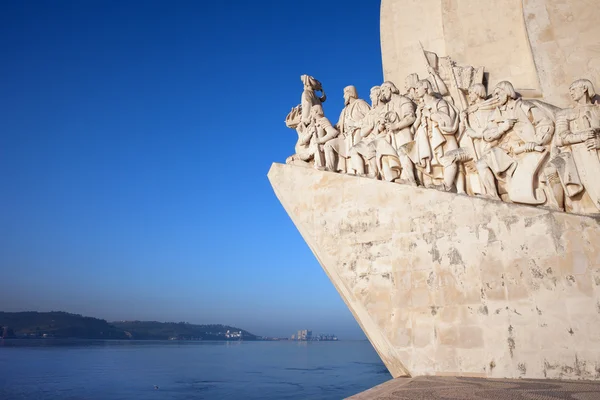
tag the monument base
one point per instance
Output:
(445, 284)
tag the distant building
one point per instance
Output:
(233, 334)
(305, 335)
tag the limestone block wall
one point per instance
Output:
(564, 37)
(444, 284)
(541, 46)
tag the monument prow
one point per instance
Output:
(448, 284)
(457, 214)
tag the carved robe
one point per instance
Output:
(308, 99)
(434, 140)
(506, 156)
(388, 143)
(308, 150)
(578, 167)
(471, 139)
(349, 127)
(351, 117)
(364, 150)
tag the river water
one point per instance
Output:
(111, 370)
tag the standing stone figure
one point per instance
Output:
(301, 118)
(473, 121)
(337, 151)
(362, 154)
(394, 133)
(435, 129)
(518, 133)
(576, 158)
(309, 97)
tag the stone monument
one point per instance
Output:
(463, 229)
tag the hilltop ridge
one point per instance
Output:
(60, 324)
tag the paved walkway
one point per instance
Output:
(457, 388)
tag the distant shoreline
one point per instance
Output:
(62, 325)
(30, 325)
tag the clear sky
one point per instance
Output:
(135, 141)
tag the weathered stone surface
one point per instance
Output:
(539, 45)
(444, 284)
(453, 388)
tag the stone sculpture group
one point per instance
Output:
(445, 132)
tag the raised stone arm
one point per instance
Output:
(440, 85)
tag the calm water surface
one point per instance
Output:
(110, 370)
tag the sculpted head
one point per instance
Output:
(349, 94)
(582, 89)
(374, 95)
(423, 87)
(311, 83)
(410, 84)
(317, 111)
(387, 90)
(477, 93)
(504, 91)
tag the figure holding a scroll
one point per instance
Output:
(518, 134)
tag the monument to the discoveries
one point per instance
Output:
(458, 215)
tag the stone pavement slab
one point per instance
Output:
(463, 388)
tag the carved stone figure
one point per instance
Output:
(473, 121)
(450, 80)
(410, 85)
(437, 83)
(435, 129)
(518, 134)
(337, 151)
(394, 135)
(362, 154)
(309, 98)
(577, 142)
(502, 147)
(311, 137)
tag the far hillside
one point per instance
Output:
(57, 324)
(62, 325)
(152, 330)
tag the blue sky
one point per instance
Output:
(135, 139)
